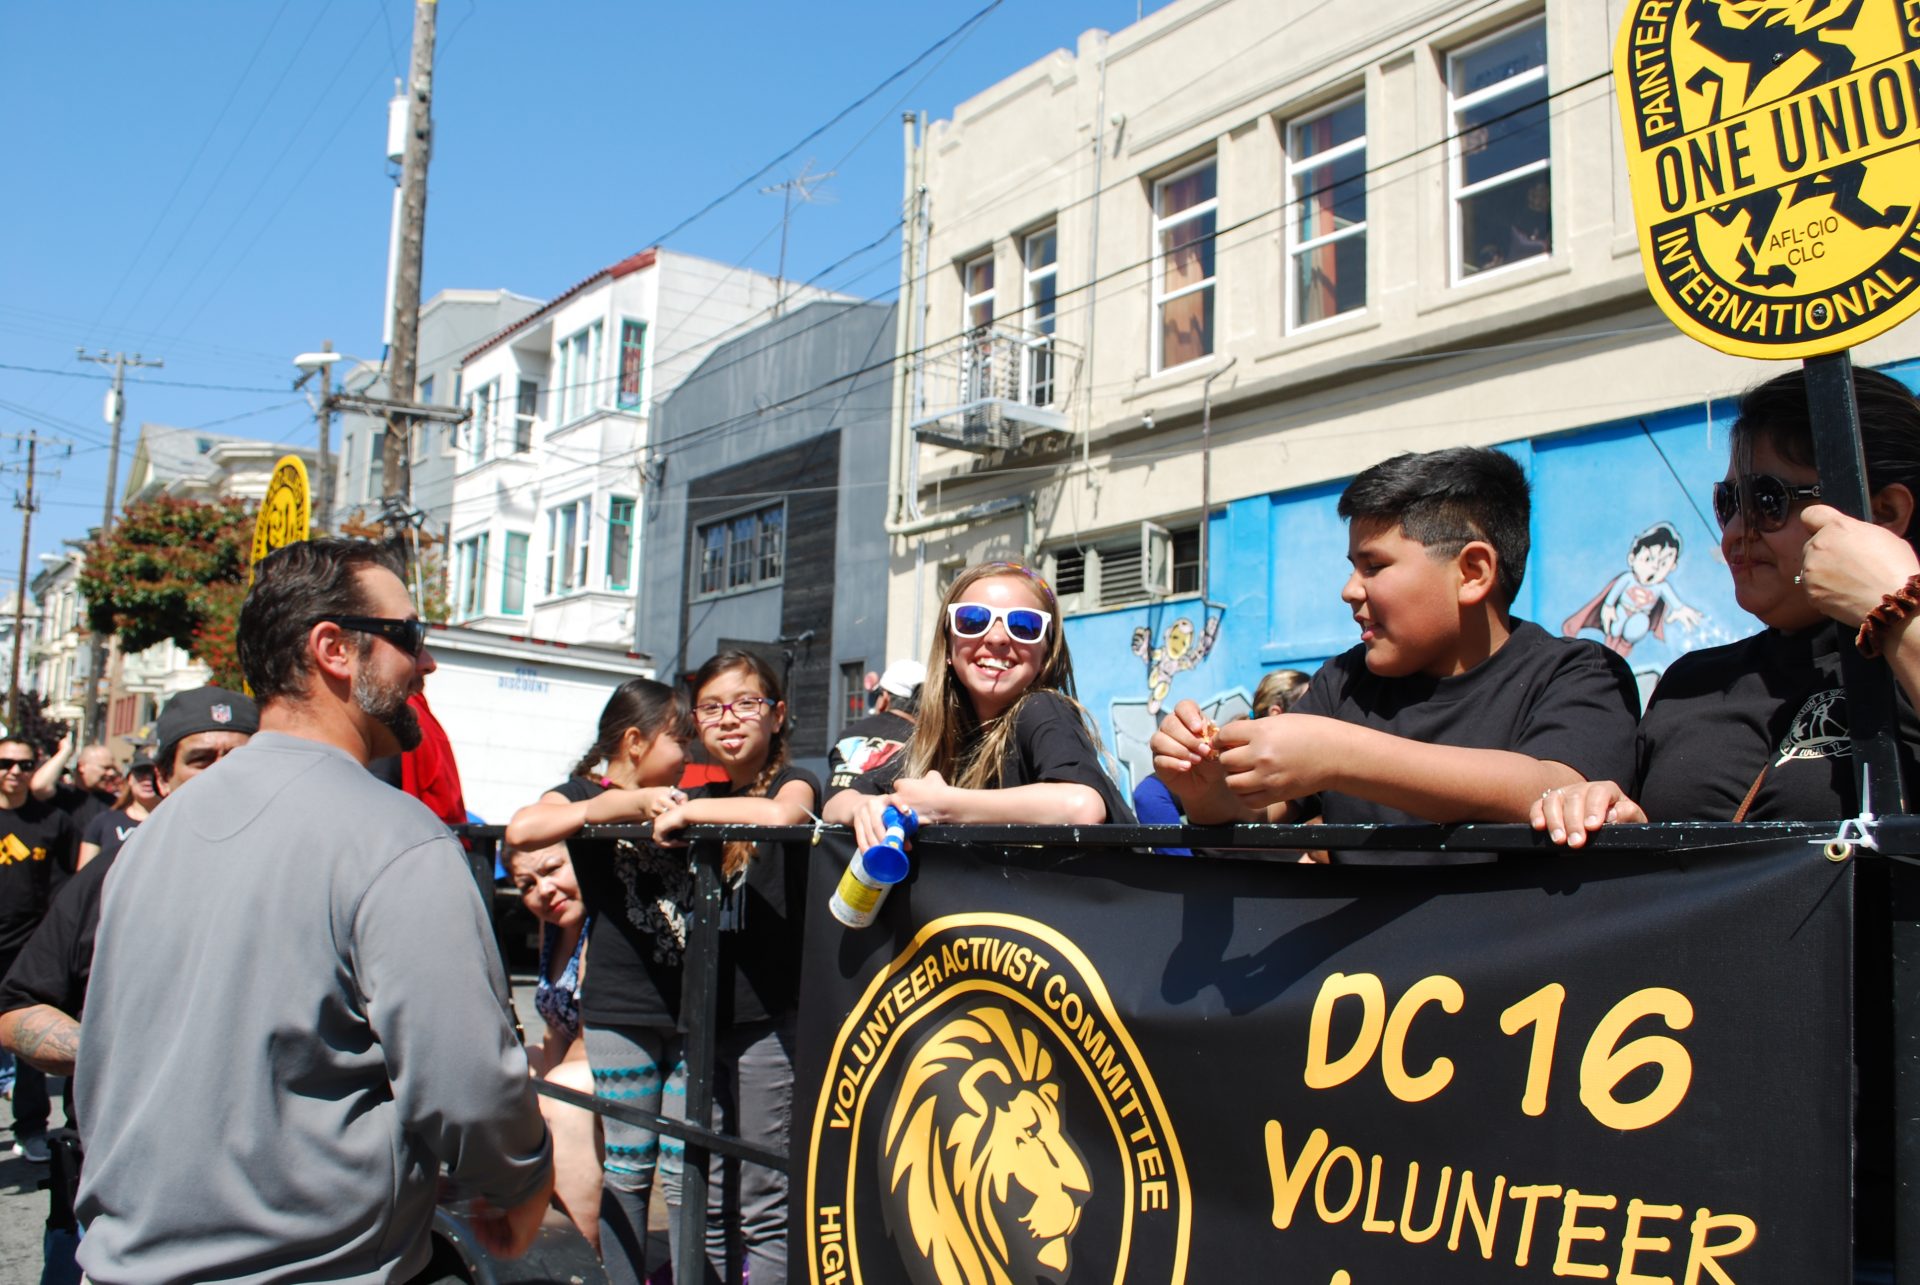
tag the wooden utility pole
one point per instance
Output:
(403, 357)
(25, 505)
(96, 704)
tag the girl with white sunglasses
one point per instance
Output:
(1000, 737)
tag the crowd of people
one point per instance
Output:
(328, 1036)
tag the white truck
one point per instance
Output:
(519, 712)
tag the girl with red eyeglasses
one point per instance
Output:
(1001, 738)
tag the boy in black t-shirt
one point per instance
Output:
(1450, 709)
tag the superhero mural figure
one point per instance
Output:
(1640, 600)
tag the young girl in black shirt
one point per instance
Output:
(741, 715)
(636, 896)
(1000, 737)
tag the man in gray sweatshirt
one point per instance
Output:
(296, 1016)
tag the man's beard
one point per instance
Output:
(389, 706)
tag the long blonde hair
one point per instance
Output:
(947, 721)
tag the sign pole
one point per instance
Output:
(1872, 717)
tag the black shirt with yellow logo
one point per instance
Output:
(34, 838)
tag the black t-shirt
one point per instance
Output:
(34, 839)
(1775, 700)
(1719, 715)
(864, 746)
(108, 831)
(761, 919)
(638, 896)
(1562, 700)
(1050, 743)
(55, 964)
(81, 806)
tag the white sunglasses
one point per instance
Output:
(975, 619)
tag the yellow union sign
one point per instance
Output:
(284, 510)
(1774, 152)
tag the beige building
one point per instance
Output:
(1362, 228)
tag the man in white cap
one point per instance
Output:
(871, 741)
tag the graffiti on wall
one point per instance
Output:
(1641, 600)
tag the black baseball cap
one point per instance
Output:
(204, 709)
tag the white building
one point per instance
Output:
(61, 659)
(1346, 231)
(552, 461)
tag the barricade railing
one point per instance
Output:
(1894, 838)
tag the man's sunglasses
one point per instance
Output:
(974, 619)
(13, 765)
(408, 635)
(1768, 500)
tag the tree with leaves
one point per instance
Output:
(173, 569)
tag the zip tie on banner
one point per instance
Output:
(819, 824)
(1853, 831)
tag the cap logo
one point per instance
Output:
(221, 713)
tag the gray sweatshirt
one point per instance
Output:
(297, 1016)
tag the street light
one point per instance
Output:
(322, 362)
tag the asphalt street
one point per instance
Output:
(23, 1210)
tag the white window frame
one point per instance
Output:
(1296, 170)
(1162, 225)
(470, 576)
(756, 553)
(976, 376)
(480, 425)
(1456, 157)
(567, 564)
(506, 570)
(578, 387)
(1038, 368)
(624, 582)
(524, 419)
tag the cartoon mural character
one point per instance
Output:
(1177, 651)
(1639, 601)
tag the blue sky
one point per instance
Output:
(206, 182)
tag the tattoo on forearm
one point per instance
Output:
(47, 1038)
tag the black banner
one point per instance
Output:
(1108, 1067)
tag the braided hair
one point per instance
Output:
(740, 851)
(639, 704)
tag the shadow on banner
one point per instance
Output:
(1106, 1067)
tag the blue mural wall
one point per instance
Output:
(1625, 552)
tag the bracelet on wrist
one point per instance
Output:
(1896, 606)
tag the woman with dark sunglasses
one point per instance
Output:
(1000, 737)
(1757, 730)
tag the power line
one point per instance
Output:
(837, 117)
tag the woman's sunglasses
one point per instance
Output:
(974, 619)
(408, 635)
(1767, 500)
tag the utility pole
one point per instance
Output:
(25, 505)
(321, 363)
(403, 357)
(803, 184)
(116, 413)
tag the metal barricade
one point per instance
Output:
(1895, 839)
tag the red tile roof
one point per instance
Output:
(631, 264)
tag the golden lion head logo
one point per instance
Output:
(979, 1172)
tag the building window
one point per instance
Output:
(513, 583)
(526, 405)
(633, 354)
(1134, 567)
(976, 318)
(1500, 172)
(853, 691)
(1327, 233)
(619, 543)
(741, 552)
(579, 371)
(1041, 257)
(470, 577)
(568, 528)
(1184, 212)
(377, 465)
(481, 424)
